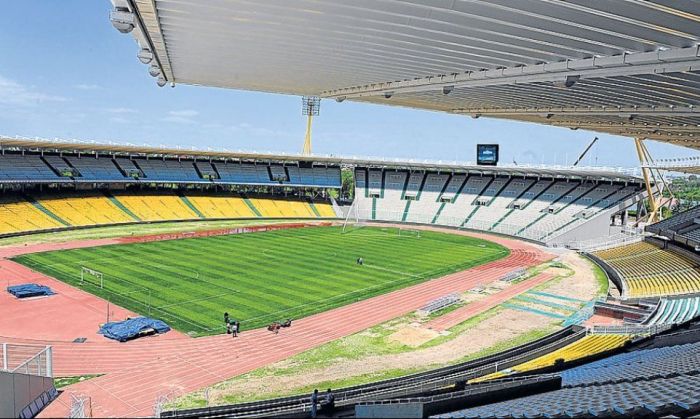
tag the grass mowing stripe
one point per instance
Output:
(265, 276)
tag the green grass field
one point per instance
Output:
(262, 277)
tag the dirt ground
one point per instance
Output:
(503, 326)
(582, 284)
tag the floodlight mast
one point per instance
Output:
(310, 107)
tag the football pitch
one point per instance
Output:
(261, 277)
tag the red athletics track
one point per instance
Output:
(137, 372)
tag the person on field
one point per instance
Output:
(314, 403)
(330, 401)
(227, 322)
(234, 328)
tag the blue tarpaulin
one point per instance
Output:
(132, 328)
(29, 290)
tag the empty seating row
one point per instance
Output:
(676, 222)
(625, 399)
(37, 212)
(655, 362)
(20, 215)
(651, 382)
(675, 310)
(586, 346)
(92, 169)
(16, 168)
(648, 271)
(526, 207)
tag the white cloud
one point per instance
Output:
(13, 93)
(119, 120)
(120, 110)
(181, 117)
(87, 87)
(187, 113)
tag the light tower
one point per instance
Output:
(310, 107)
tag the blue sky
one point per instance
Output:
(66, 73)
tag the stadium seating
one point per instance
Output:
(683, 228)
(18, 215)
(16, 168)
(324, 209)
(526, 207)
(96, 169)
(426, 205)
(84, 209)
(169, 170)
(618, 399)
(251, 174)
(586, 346)
(280, 208)
(221, 206)
(496, 199)
(60, 165)
(675, 310)
(49, 211)
(648, 271)
(636, 383)
(158, 207)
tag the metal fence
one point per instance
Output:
(629, 329)
(27, 359)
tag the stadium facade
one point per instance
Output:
(108, 183)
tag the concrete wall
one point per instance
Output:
(598, 227)
(398, 410)
(18, 391)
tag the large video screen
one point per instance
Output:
(487, 154)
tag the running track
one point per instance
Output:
(138, 372)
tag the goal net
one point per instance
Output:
(91, 277)
(353, 219)
(409, 232)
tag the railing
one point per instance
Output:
(680, 162)
(497, 384)
(27, 359)
(596, 245)
(629, 330)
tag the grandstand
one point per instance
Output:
(674, 311)
(629, 69)
(126, 184)
(645, 270)
(550, 211)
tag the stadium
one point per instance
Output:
(162, 281)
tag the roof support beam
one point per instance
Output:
(573, 111)
(656, 62)
(626, 126)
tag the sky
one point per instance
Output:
(65, 72)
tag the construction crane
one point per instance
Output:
(585, 151)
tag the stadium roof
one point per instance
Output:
(92, 147)
(626, 67)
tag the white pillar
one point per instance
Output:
(49, 361)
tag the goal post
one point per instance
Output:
(409, 232)
(87, 273)
(353, 216)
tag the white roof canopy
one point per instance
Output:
(627, 67)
